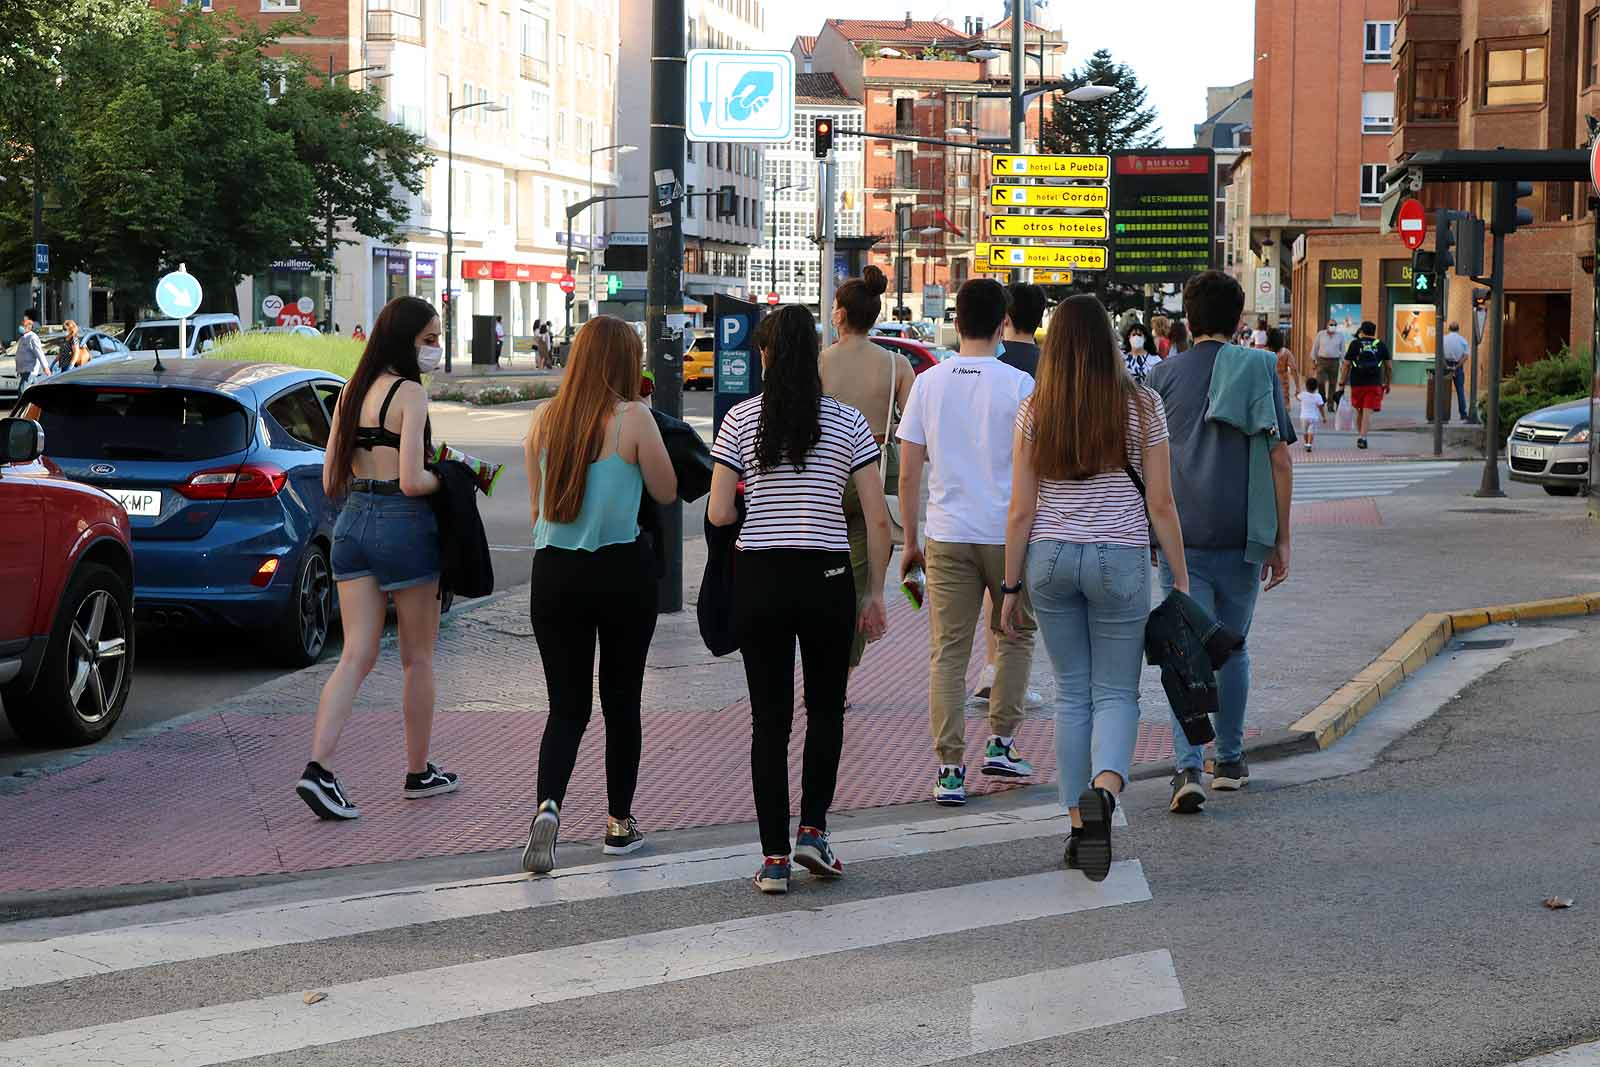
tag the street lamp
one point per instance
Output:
(772, 220)
(900, 232)
(376, 73)
(450, 214)
(621, 150)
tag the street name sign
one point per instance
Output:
(1097, 168)
(1066, 196)
(1412, 223)
(1081, 227)
(1062, 257)
(735, 95)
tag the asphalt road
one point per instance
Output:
(178, 672)
(1375, 904)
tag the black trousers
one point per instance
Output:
(578, 597)
(781, 596)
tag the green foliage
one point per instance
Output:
(338, 355)
(870, 50)
(1118, 121)
(1559, 378)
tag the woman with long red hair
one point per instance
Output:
(591, 452)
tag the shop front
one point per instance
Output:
(1409, 327)
(426, 277)
(391, 276)
(1341, 296)
(289, 293)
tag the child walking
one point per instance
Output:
(1311, 404)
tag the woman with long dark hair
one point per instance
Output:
(1090, 477)
(385, 545)
(591, 452)
(795, 450)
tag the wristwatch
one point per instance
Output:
(1010, 590)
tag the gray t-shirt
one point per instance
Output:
(1210, 460)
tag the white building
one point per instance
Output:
(791, 212)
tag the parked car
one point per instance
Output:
(302, 330)
(697, 368)
(101, 345)
(219, 467)
(1550, 447)
(906, 330)
(66, 618)
(161, 335)
(922, 356)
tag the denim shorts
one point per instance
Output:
(393, 538)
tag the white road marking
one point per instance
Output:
(1343, 481)
(491, 417)
(932, 1028)
(400, 1002)
(1576, 1056)
(30, 963)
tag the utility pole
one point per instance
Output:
(826, 225)
(668, 74)
(38, 281)
(1490, 486)
(1019, 106)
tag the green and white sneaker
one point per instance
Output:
(1002, 759)
(950, 788)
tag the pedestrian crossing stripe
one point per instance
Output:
(399, 1002)
(1340, 481)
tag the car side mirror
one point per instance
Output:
(21, 440)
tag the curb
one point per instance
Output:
(1349, 704)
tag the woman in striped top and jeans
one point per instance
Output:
(1090, 444)
(795, 450)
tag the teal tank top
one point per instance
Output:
(610, 512)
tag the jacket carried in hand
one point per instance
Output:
(691, 462)
(1190, 646)
(1243, 381)
(465, 568)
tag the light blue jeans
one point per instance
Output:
(1091, 603)
(1225, 585)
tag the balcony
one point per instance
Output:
(394, 26)
(535, 70)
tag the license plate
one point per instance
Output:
(1534, 452)
(138, 501)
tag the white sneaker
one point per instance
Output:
(1034, 698)
(985, 682)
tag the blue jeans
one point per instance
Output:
(1460, 375)
(393, 538)
(1091, 603)
(1225, 585)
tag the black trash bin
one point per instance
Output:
(483, 340)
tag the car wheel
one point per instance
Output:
(303, 630)
(83, 683)
(1563, 490)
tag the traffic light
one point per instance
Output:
(613, 284)
(1422, 279)
(1444, 242)
(823, 130)
(1469, 247)
(727, 202)
(1508, 214)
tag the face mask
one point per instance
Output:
(1136, 342)
(429, 357)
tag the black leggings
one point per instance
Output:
(781, 595)
(577, 596)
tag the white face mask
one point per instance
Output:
(429, 357)
(1136, 342)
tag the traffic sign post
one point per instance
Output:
(734, 95)
(1076, 227)
(178, 295)
(1096, 168)
(1091, 197)
(1412, 223)
(1058, 257)
(567, 283)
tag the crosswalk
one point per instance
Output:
(1344, 481)
(210, 988)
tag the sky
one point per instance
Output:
(1176, 48)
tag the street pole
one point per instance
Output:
(668, 74)
(772, 220)
(827, 225)
(1019, 114)
(1594, 374)
(1490, 486)
(328, 238)
(1472, 387)
(37, 282)
(449, 227)
(901, 221)
(1441, 305)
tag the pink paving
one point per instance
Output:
(1362, 511)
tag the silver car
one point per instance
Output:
(101, 345)
(1550, 447)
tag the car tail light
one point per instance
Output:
(264, 573)
(250, 481)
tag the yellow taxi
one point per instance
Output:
(697, 372)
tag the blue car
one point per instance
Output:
(219, 467)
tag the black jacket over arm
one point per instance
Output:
(465, 567)
(691, 462)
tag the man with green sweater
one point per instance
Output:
(1233, 481)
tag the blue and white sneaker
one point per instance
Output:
(1003, 760)
(950, 788)
(773, 877)
(812, 851)
(539, 855)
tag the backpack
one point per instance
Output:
(1367, 357)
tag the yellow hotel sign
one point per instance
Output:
(1088, 167)
(1082, 227)
(1065, 257)
(1052, 277)
(1081, 196)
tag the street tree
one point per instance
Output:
(1120, 120)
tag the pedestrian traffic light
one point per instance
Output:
(1508, 214)
(1422, 279)
(823, 129)
(613, 284)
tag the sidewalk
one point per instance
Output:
(212, 795)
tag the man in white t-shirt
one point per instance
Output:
(959, 419)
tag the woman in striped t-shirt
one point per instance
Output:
(795, 450)
(1089, 443)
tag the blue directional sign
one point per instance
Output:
(41, 259)
(178, 294)
(740, 96)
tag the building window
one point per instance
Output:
(1429, 82)
(688, 202)
(1372, 182)
(561, 49)
(442, 11)
(904, 176)
(1379, 42)
(1591, 49)
(905, 120)
(1512, 74)
(1377, 112)
(278, 6)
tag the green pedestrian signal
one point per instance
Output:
(1423, 281)
(613, 284)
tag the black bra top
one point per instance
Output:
(380, 436)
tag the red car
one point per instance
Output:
(66, 619)
(922, 356)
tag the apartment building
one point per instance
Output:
(1226, 131)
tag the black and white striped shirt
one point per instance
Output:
(789, 507)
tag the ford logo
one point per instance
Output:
(102, 468)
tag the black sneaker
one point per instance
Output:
(1070, 855)
(1361, 442)
(324, 795)
(539, 854)
(622, 836)
(1187, 793)
(1230, 775)
(430, 783)
(1093, 854)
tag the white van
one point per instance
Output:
(161, 335)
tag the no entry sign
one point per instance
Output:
(1412, 223)
(772, 300)
(567, 283)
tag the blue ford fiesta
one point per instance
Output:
(219, 467)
